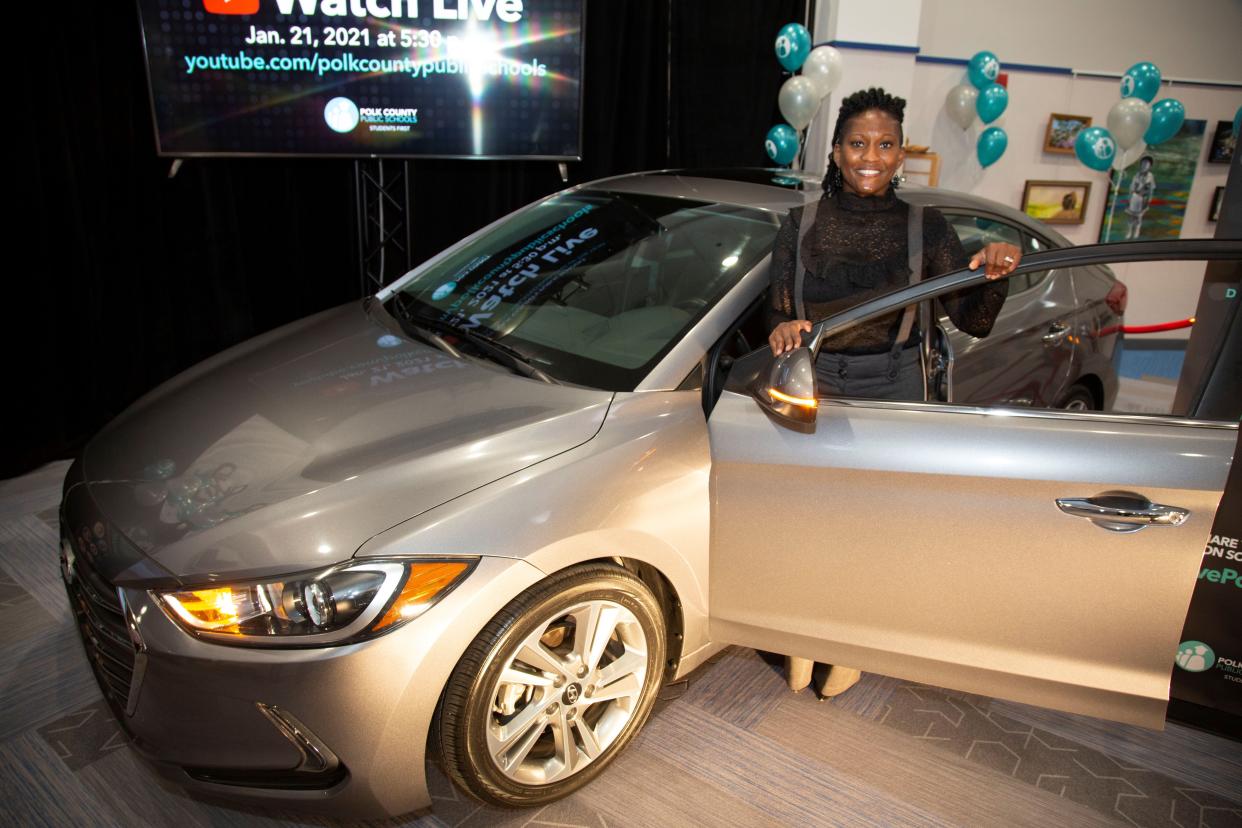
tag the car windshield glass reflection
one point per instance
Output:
(593, 287)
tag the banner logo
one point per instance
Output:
(1227, 575)
(443, 290)
(231, 6)
(341, 115)
(1195, 656)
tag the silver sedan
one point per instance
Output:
(483, 515)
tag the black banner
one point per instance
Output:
(1208, 664)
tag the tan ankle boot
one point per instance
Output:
(798, 672)
(838, 680)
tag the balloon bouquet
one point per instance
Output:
(984, 97)
(800, 95)
(1134, 124)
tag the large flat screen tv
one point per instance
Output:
(366, 78)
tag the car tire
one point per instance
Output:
(538, 738)
(1078, 398)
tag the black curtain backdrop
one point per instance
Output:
(120, 276)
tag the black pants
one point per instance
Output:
(885, 376)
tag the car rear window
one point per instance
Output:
(595, 287)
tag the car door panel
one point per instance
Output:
(924, 540)
(929, 547)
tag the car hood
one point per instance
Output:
(289, 451)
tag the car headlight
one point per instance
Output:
(339, 605)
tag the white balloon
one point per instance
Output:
(1124, 159)
(960, 104)
(798, 100)
(1128, 121)
(823, 67)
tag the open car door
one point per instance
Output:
(1042, 556)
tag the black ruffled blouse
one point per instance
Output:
(857, 249)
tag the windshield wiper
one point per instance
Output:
(517, 359)
(431, 329)
(410, 326)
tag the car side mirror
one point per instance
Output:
(788, 389)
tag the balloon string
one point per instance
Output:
(1112, 204)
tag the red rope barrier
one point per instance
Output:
(1143, 329)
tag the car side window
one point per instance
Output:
(1115, 337)
(1032, 244)
(975, 232)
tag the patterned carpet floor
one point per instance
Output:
(729, 746)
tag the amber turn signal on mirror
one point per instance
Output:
(804, 402)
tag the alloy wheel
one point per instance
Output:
(566, 692)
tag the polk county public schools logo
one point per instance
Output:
(341, 115)
(783, 46)
(1195, 656)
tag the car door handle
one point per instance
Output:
(1123, 512)
(1057, 332)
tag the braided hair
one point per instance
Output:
(861, 101)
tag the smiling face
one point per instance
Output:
(869, 153)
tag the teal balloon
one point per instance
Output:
(1167, 116)
(983, 69)
(1095, 147)
(991, 102)
(782, 144)
(793, 44)
(991, 145)
(1142, 80)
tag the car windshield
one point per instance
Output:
(592, 287)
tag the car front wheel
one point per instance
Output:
(553, 687)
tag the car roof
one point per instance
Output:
(780, 190)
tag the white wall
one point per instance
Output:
(895, 22)
(1032, 97)
(1163, 293)
(1189, 39)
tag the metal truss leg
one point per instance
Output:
(382, 192)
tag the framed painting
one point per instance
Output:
(1224, 142)
(1147, 200)
(1056, 202)
(1062, 130)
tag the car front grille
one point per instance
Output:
(101, 623)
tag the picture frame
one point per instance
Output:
(1218, 198)
(1062, 131)
(1056, 202)
(1148, 202)
(1224, 142)
(921, 167)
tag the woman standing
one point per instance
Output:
(858, 245)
